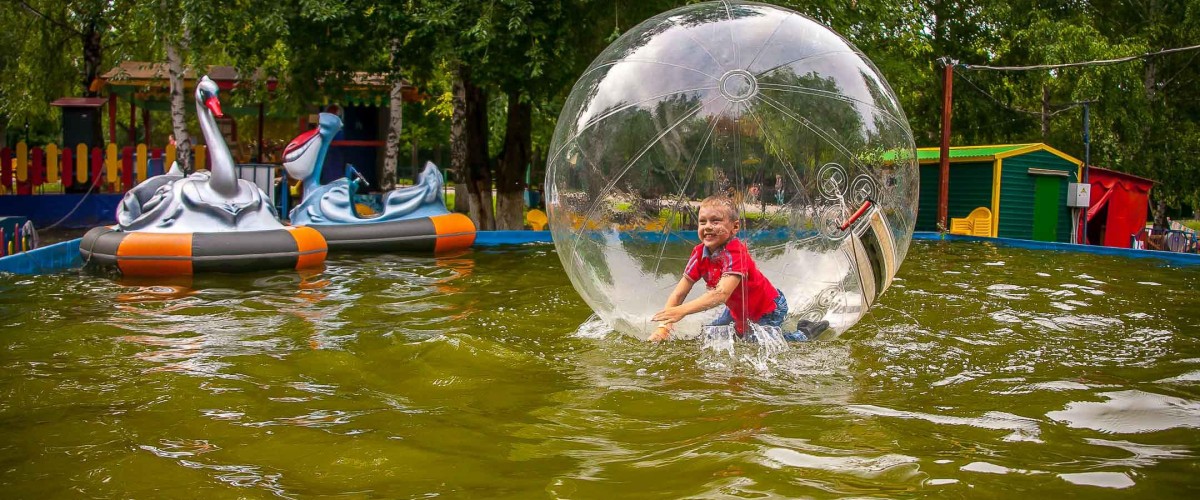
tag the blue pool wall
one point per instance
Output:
(72, 210)
(65, 255)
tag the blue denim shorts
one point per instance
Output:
(774, 318)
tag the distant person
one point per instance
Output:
(733, 280)
(778, 189)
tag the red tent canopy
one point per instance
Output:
(1118, 206)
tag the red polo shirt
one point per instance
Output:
(753, 297)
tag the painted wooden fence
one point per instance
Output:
(42, 170)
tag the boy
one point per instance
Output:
(732, 279)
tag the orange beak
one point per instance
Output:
(214, 105)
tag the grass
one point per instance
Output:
(1192, 224)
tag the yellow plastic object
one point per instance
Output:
(141, 165)
(22, 164)
(960, 226)
(981, 222)
(536, 219)
(199, 157)
(81, 163)
(977, 223)
(112, 165)
(52, 163)
(364, 210)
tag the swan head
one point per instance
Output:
(206, 94)
(303, 156)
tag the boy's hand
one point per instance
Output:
(669, 315)
(662, 332)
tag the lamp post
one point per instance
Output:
(944, 150)
(1087, 145)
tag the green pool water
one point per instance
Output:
(985, 372)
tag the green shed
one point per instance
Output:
(1024, 186)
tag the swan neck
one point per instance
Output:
(314, 180)
(220, 163)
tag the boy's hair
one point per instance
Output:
(723, 202)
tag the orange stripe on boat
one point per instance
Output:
(155, 254)
(454, 232)
(310, 245)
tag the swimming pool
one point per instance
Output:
(985, 370)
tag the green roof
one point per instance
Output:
(961, 152)
(989, 153)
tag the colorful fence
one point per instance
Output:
(37, 170)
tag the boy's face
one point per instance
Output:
(716, 227)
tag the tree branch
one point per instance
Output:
(39, 13)
(1168, 81)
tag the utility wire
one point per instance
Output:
(1065, 108)
(1069, 65)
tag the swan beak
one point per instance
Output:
(296, 147)
(214, 105)
(300, 155)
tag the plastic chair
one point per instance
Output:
(961, 226)
(977, 223)
(536, 219)
(981, 222)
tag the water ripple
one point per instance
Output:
(1024, 429)
(1131, 412)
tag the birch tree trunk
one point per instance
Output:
(392, 148)
(175, 70)
(1150, 85)
(1045, 113)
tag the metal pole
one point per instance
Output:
(944, 153)
(258, 156)
(1087, 144)
(132, 122)
(112, 118)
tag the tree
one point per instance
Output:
(58, 48)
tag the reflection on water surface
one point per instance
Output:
(983, 371)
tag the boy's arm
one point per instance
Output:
(681, 291)
(677, 295)
(709, 300)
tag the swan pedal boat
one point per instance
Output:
(413, 219)
(173, 224)
(171, 254)
(438, 234)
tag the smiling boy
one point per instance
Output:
(731, 276)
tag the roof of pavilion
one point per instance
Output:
(149, 81)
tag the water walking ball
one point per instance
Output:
(753, 102)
